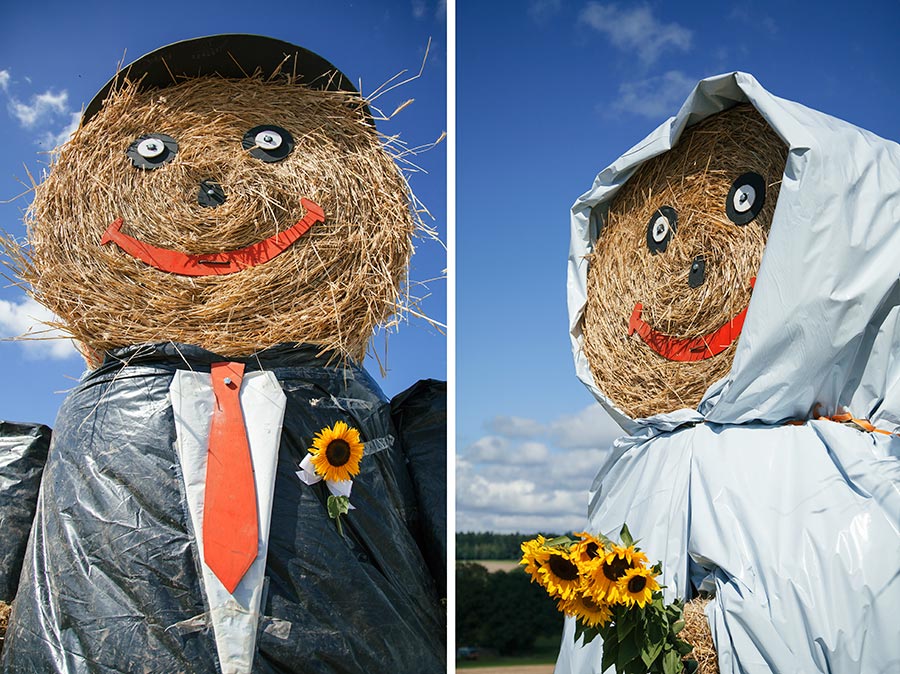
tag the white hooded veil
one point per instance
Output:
(796, 527)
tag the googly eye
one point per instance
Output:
(745, 198)
(661, 228)
(152, 151)
(268, 142)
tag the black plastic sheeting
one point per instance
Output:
(111, 580)
(23, 451)
(420, 415)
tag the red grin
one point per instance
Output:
(692, 348)
(207, 264)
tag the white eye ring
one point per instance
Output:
(151, 147)
(743, 198)
(660, 229)
(268, 140)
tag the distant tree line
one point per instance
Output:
(488, 545)
(502, 610)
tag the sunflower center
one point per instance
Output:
(562, 568)
(616, 568)
(637, 584)
(591, 550)
(589, 604)
(338, 452)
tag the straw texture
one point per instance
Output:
(697, 633)
(694, 178)
(5, 610)
(332, 287)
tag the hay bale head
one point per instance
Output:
(673, 266)
(194, 169)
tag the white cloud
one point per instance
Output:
(28, 318)
(46, 115)
(51, 139)
(42, 107)
(514, 427)
(591, 428)
(655, 97)
(419, 9)
(511, 480)
(493, 449)
(636, 31)
(540, 10)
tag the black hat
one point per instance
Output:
(229, 56)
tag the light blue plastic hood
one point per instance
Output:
(822, 323)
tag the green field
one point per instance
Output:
(545, 652)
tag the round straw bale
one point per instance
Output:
(694, 179)
(331, 287)
(697, 633)
(5, 610)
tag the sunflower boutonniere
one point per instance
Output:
(334, 457)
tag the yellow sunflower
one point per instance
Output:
(603, 577)
(336, 452)
(559, 574)
(534, 555)
(588, 550)
(637, 586)
(585, 609)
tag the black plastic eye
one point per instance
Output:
(697, 274)
(152, 151)
(268, 142)
(661, 228)
(745, 198)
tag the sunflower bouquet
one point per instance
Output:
(611, 591)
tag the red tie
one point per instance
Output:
(230, 529)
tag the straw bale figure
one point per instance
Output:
(222, 235)
(733, 306)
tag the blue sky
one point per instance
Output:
(548, 94)
(55, 56)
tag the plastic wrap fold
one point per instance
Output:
(23, 451)
(797, 527)
(111, 579)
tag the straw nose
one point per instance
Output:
(210, 194)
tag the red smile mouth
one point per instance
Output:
(208, 264)
(692, 348)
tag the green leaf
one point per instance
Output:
(625, 536)
(635, 667)
(628, 651)
(677, 626)
(690, 666)
(609, 656)
(683, 647)
(672, 663)
(589, 635)
(337, 506)
(624, 626)
(558, 541)
(650, 652)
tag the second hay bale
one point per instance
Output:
(694, 179)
